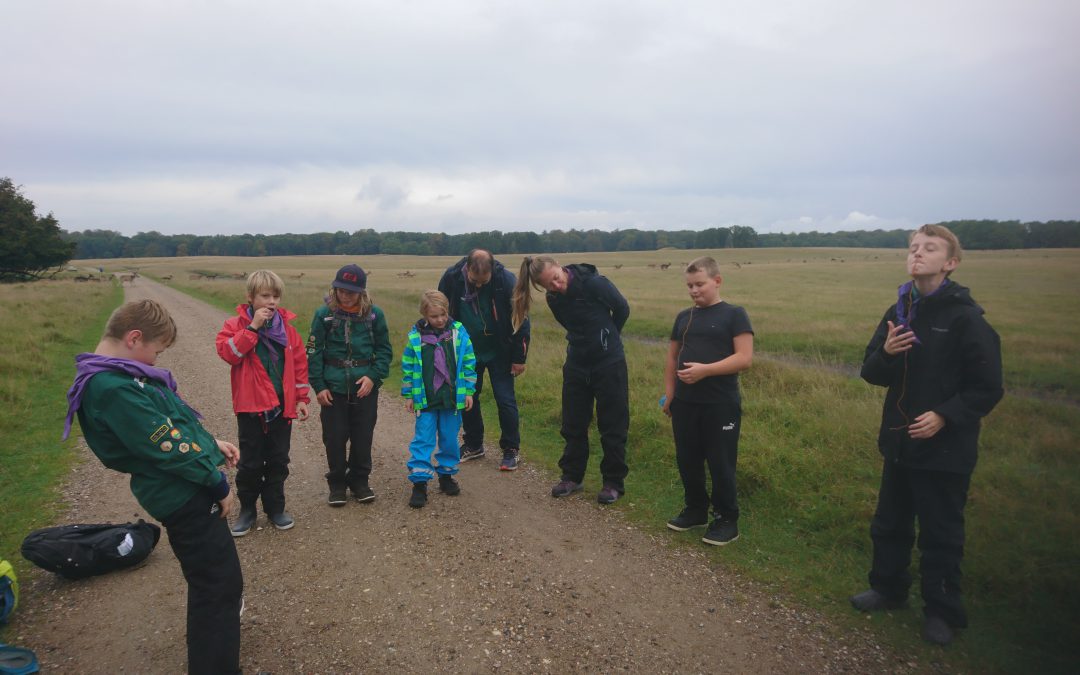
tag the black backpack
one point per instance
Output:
(80, 551)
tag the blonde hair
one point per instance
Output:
(704, 264)
(941, 232)
(364, 304)
(147, 316)
(531, 269)
(432, 298)
(264, 279)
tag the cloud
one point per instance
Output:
(385, 194)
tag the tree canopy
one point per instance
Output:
(30, 245)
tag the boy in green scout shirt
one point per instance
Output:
(136, 423)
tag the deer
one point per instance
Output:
(127, 277)
(619, 266)
(664, 266)
(167, 277)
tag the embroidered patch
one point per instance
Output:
(195, 447)
(311, 344)
(166, 446)
(175, 433)
(184, 448)
(158, 433)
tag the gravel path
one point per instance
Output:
(502, 577)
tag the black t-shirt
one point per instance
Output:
(707, 335)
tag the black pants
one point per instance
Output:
(201, 540)
(502, 387)
(349, 421)
(605, 388)
(264, 461)
(936, 499)
(707, 434)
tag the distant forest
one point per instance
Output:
(974, 234)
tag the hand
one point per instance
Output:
(325, 398)
(899, 339)
(410, 406)
(926, 425)
(692, 372)
(517, 369)
(226, 505)
(301, 411)
(366, 385)
(231, 452)
(261, 316)
(468, 402)
(666, 408)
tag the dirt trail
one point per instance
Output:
(502, 577)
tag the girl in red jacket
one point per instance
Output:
(270, 390)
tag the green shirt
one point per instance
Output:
(273, 369)
(479, 319)
(443, 399)
(341, 338)
(140, 427)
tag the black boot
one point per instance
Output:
(448, 485)
(419, 495)
(244, 522)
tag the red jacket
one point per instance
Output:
(252, 390)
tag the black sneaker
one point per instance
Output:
(281, 521)
(937, 630)
(419, 495)
(468, 453)
(244, 522)
(448, 485)
(564, 488)
(608, 495)
(871, 600)
(688, 519)
(721, 532)
(363, 493)
(510, 460)
(337, 497)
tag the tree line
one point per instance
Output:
(975, 234)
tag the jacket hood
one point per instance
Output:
(241, 309)
(954, 293)
(582, 273)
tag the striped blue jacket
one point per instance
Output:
(412, 371)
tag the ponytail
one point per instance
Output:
(531, 268)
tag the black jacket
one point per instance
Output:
(593, 313)
(452, 285)
(955, 371)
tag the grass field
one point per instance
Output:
(808, 462)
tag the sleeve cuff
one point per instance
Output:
(221, 490)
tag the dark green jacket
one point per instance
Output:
(142, 428)
(338, 337)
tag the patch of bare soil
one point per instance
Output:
(502, 577)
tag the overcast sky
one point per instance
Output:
(457, 115)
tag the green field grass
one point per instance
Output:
(808, 462)
(42, 326)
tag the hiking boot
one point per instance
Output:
(721, 532)
(244, 522)
(564, 488)
(688, 519)
(448, 485)
(281, 521)
(419, 495)
(936, 630)
(873, 601)
(510, 460)
(337, 497)
(608, 495)
(468, 453)
(363, 493)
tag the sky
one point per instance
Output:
(225, 117)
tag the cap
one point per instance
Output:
(351, 278)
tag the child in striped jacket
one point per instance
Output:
(438, 380)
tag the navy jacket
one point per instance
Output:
(955, 371)
(593, 313)
(452, 285)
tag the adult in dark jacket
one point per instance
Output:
(480, 290)
(593, 312)
(941, 362)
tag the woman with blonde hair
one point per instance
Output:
(593, 312)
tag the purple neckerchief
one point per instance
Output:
(905, 316)
(87, 365)
(271, 331)
(442, 373)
